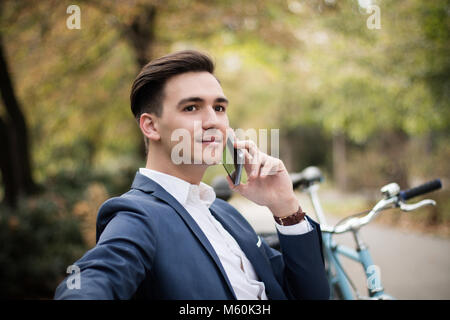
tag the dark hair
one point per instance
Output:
(147, 92)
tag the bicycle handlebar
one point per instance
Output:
(395, 200)
(422, 189)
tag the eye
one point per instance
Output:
(190, 108)
(219, 108)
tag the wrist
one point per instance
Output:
(292, 219)
(285, 208)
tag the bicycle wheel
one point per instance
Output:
(336, 292)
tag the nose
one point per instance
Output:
(209, 118)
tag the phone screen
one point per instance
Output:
(233, 162)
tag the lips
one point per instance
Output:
(210, 139)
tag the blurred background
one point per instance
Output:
(361, 93)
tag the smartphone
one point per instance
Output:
(233, 161)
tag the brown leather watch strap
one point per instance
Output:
(291, 219)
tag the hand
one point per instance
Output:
(268, 182)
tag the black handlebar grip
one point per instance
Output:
(424, 188)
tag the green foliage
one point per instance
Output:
(39, 241)
(49, 232)
(283, 64)
(310, 68)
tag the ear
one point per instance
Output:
(148, 123)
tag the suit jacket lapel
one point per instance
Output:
(147, 185)
(248, 244)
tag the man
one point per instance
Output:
(169, 237)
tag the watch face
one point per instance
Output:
(233, 161)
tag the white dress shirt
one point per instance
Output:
(197, 199)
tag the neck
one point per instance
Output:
(192, 173)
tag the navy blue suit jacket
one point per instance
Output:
(149, 247)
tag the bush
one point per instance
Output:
(39, 241)
(50, 231)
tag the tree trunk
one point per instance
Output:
(339, 161)
(141, 34)
(6, 167)
(395, 148)
(16, 146)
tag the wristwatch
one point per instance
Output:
(291, 219)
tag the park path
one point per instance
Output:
(413, 265)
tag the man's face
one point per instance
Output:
(194, 116)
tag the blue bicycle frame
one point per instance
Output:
(340, 283)
(341, 286)
(337, 276)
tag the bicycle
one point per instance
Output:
(341, 286)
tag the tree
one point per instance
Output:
(15, 163)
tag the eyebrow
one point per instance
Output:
(198, 99)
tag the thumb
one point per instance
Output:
(232, 186)
(230, 183)
(240, 188)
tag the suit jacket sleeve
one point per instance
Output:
(300, 268)
(116, 266)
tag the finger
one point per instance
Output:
(269, 168)
(249, 145)
(240, 188)
(261, 159)
(248, 163)
(230, 183)
(276, 166)
(251, 166)
(265, 168)
(248, 156)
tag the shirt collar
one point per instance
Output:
(182, 190)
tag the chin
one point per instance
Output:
(208, 156)
(207, 161)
